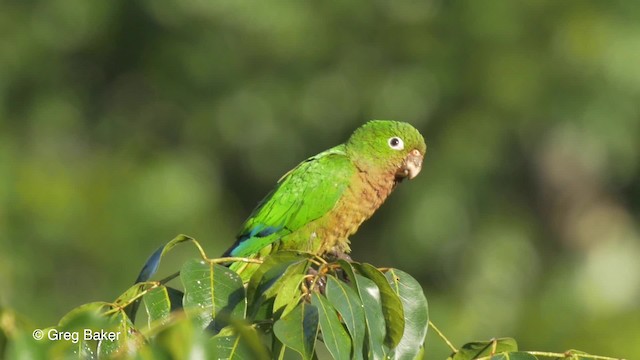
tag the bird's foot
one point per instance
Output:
(316, 279)
(335, 255)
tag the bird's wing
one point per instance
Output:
(302, 195)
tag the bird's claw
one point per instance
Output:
(335, 255)
(317, 280)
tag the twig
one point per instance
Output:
(569, 354)
(233, 259)
(441, 335)
(565, 355)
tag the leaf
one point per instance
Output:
(374, 318)
(176, 298)
(181, 339)
(391, 304)
(271, 268)
(477, 349)
(150, 267)
(289, 295)
(86, 313)
(131, 293)
(239, 341)
(72, 325)
(213, 293)
(416, 313)
(299, 329)
(230, 347)
(297, 270)
(269, 278)
(263, 306)
(157, 303)
(370, 296)
(94, 330)
(130, 299)
(334, 336)
(281, 352)
(120, 337)
(348, 304)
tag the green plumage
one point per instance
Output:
(323, 200)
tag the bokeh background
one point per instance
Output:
(124, 123)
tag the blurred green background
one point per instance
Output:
(124, 123)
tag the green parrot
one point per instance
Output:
(317, 205)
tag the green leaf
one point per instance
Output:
(263, 306)
(269, 278)
(67, 339)
(158, 305)
(416, 313)
(131, 293)
(271, 268)
(149, 269)
(213, 293)
(151, 265)
(120, 337)
(477, 349)
(391, 304)
(334, 336)
(239, 341)
(289, 295)
(230, 347)
(281, 352)
(181, 339)
(94, 329)
(370, 296)
(348, 304)
(374, 318)
(297, 270)
(299, 329)
(86, 313)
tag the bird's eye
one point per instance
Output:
(396, 143)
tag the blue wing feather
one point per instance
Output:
(285, 210)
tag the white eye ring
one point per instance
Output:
(396, 143)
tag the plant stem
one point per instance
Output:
(570, 354)
(566, 355)
(444, 338)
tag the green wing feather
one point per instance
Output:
(304, 194)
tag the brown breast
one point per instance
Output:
(358, 203)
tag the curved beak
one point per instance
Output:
(411, 165)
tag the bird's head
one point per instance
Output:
(389, 147)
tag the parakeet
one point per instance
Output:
(317, 205)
